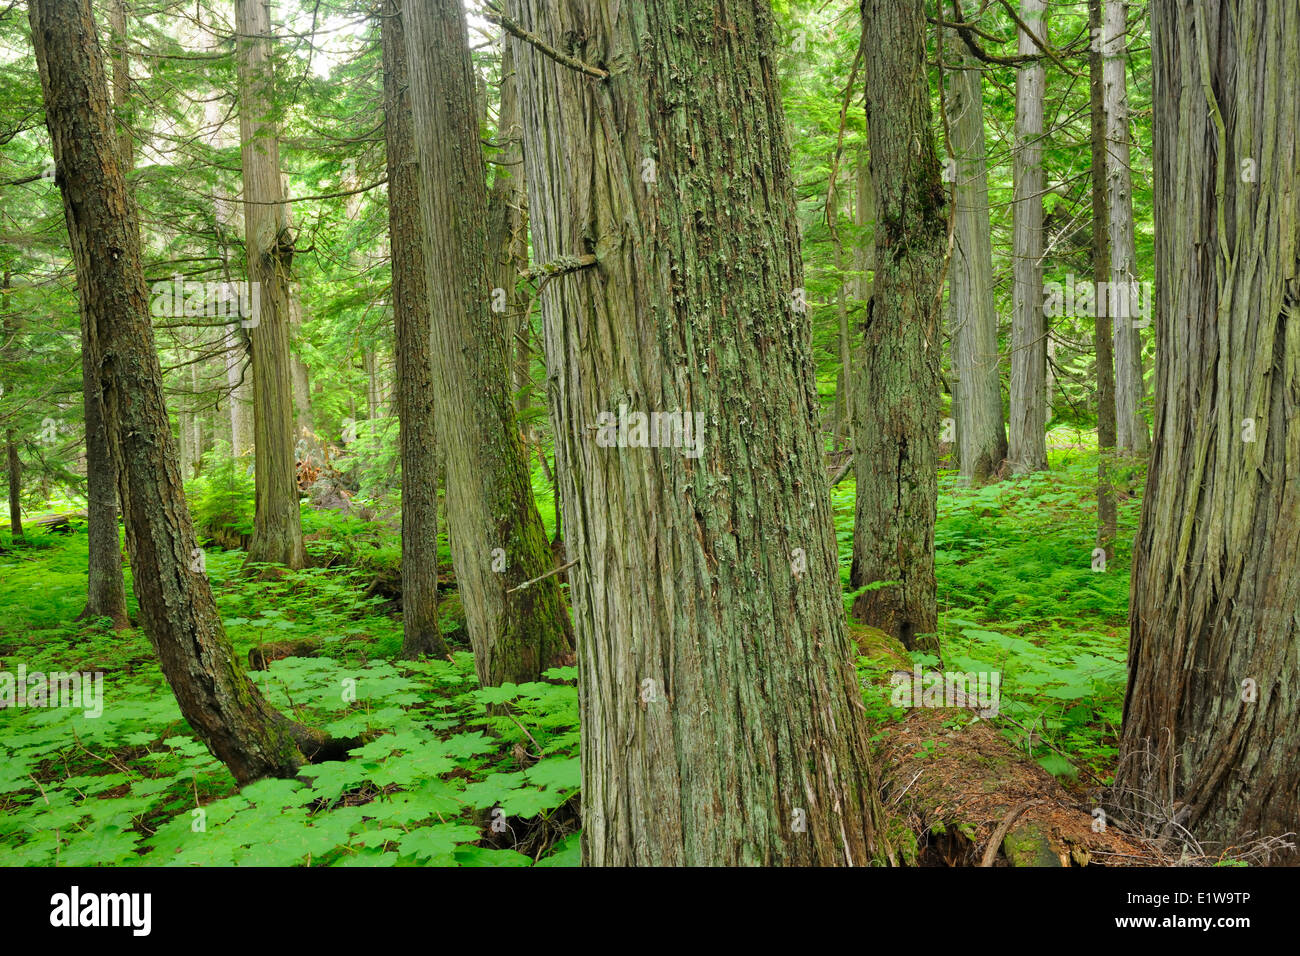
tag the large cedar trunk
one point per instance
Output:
(176, 604)
(1212, 713)
(497, 539)
(277, 525)
(722, 719)
(982, 437)
(1028, 444)
(420, 631)
(898, 413)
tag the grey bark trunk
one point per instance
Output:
(277, 527)
(974, 320)
(519, 629)
(1131, 427)
(1028, 442)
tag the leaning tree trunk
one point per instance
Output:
(1212, 714)
(418, 437)
(722, 721)
(1131, 427)
(277, 523)
(105, 583)
(898, 412)
(518, 625)
(176, 604)
(974, 320)
(1028, 445)
(1106, 507)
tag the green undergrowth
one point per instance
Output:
(452, 774)
(1018, 595)
(455, 774)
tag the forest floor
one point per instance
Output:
(443, 781)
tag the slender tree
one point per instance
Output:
(417, 435)
(176, 605)
(982, 436)
(268, 244)
(13, 465)
(513, 606)
(1131, 427)
(1106, 509)
(898, 414)
(1028, 444)
(1211, 715)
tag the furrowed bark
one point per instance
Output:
(722, 721)
(1212, 716)
(497, 538)
(417, 434)
(898, 414)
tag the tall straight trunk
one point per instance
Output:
(518, 629)
(416, 431)
(1107, 519)
(1131, 428)
(238, 373)
(507, 241)
(277, 525)
(722, 721)
(14, 467)
(1212, 716)
(176, 604)
(974, 320)
(864, 262)
(300, 374)
(840, 412)
(898, 420)
(1028, 444)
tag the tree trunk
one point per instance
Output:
(14, 467)
(1131, 427)
(176, 604)
(105, 588)
(898, 418)
(722, 721)
(1028, 445)
(982, 435)
(1211, 716)
(1106, 509)
(417, 435)
(507, 241)
(277, 526)
(498, 542)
